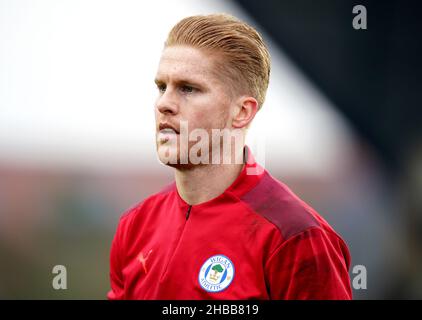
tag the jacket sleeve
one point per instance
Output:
(311, 265)
(116, 277)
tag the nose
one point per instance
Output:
(166, 103)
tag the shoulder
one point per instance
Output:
(275, 202)
(144, 206)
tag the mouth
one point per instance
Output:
(167, 133)
(167, 128)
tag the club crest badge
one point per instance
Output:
(216, 274)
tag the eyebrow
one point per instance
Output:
(181, 81)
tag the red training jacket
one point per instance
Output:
(257, 240)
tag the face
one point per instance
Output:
(190, 91)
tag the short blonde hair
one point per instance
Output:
(246, 60)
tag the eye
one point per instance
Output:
(187, 89)
(161, 88)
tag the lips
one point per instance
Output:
(167, 133)
(167, 128)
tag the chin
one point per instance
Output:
(170, 156)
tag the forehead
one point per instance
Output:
(186, 63)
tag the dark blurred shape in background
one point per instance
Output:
(373, 77)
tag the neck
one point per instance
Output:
(205, 182)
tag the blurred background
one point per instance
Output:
(341, 126)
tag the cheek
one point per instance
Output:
(156, 112)
(222, 115)
(197, 120)
(207, 112)
(218, 110)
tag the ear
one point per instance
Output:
(245, 111)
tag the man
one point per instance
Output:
(225, 229)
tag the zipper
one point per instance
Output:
(188, 213)
(177, 245)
